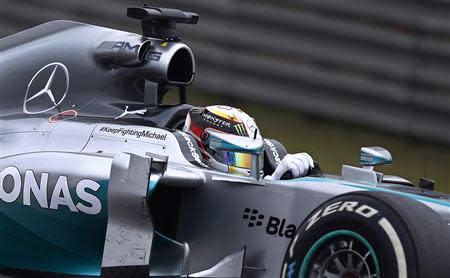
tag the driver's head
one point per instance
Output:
(227, 137)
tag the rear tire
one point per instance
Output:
(369, 234)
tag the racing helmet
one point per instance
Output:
(228, 138)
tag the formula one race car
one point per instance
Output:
(97, 179)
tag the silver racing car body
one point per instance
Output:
(97, 179)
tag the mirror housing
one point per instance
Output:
(371, 156)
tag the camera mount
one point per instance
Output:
(161, 22)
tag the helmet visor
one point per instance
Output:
(235, 159)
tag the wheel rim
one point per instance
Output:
(340, 254)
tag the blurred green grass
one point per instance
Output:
(333, 143)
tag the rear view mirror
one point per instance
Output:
(371, 156)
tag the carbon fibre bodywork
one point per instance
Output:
(86, 186)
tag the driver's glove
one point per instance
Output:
(298, 164)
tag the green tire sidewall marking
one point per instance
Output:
(327, 237)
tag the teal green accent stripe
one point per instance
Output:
(152, 183)
(373, 188)
(165, 237)
(327, 237)
(59, 240)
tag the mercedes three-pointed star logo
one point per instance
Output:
(47, 90)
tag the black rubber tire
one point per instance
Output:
(421, 233)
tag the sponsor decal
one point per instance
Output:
(240, 129)
(154, 56)
(12, 185)
(274, 151)
(348, 206)
(215, 121)
(253, 216)
(274, 226)
(366, 158)
(63, 116)
(192, 149)
(119, 45)
(51, 95)
(151, 134)
(134, 112)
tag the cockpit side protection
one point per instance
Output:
(274, 152)
(190, 149)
